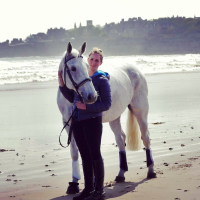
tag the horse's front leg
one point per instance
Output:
(120, 139)
(73, 187)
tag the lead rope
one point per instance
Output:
(67, 124)
(75, 110)
(70, 130)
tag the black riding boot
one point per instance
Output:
(99, 193)
(88, 177)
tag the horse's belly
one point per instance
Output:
(121, 95)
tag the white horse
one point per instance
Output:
(128, 89)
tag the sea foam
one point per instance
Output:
(31, 69)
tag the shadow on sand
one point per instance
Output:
(112, 191)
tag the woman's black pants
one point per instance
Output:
(87, 134)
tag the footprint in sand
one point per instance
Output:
(49, 170)
(156, 123)
(13, 175)
(53, 175)
(170, 149)
(166, 164)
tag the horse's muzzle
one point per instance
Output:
(90, 99)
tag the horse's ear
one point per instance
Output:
(69, 48)
(82, 48)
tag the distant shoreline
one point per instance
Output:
(136, 36)
(119, 47)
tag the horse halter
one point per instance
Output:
(76, 86)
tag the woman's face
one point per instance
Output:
(94, 61)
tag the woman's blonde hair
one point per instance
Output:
(97, 51)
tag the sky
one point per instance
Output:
(20, 18)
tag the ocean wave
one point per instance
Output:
(39, 69)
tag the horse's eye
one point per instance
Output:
(73, 69)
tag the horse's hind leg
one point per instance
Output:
(140, 107)
(73, 187)
(120, 138)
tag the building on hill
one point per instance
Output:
(31, 38)
(137, 27)
(196, 17)
(16, 41)
(56, 34)
(41, 36)
(89, 23)
(130, 28)
(36, 37)
(4, 44)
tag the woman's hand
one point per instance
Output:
(80, 105)
(61, 82)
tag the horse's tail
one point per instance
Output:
(133, 133)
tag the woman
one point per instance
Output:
(87, 127)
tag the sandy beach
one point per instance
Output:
(34, 167)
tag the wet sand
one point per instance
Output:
(34, 166)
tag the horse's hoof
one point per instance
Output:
(151, 175)
(73, 188)
(119, 179)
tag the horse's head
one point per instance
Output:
(75, 73)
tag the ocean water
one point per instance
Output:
(36, 69)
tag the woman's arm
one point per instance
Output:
(105, 94)
(66, 92)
